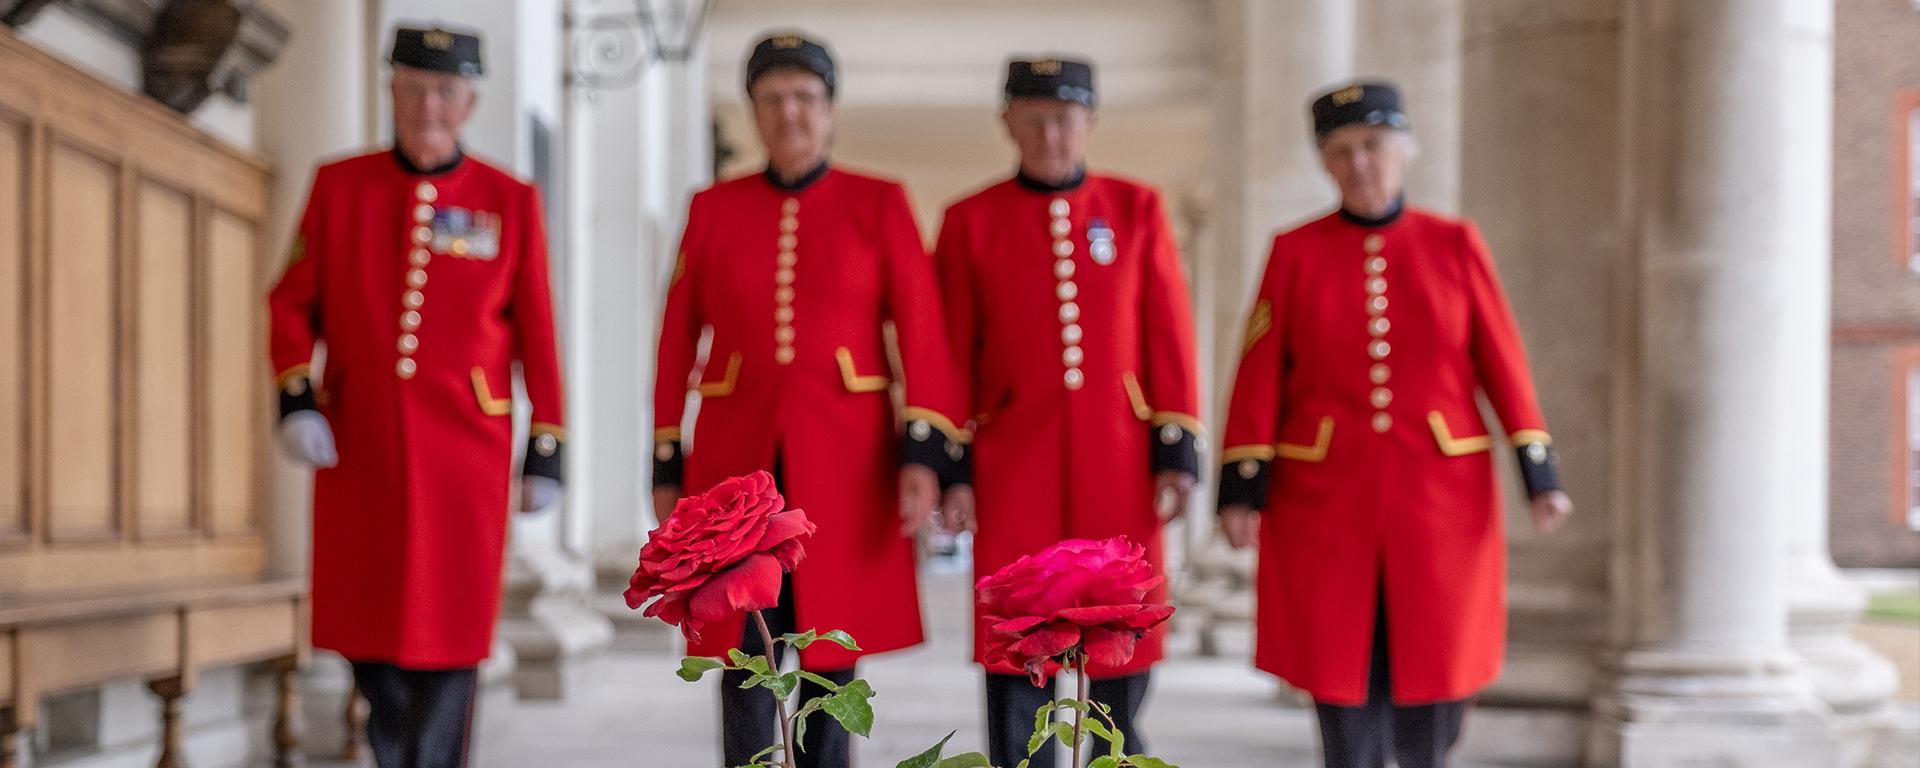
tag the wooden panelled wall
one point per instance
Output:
(133, 407)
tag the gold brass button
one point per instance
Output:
(1058, 208)
(1063, 269)
(1069, 312)
(426, 191)
(1382, 422)
(1070, 333)
(1074, 379)
(1375, 242)
(1379, 373)
(406, 367)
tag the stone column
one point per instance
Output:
(1417, 44)
(311, 105)
(1539, 165)
(1272, 58)
(1726, 163)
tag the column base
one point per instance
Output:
(1675, 708)
(549, 622)
(1823, 608)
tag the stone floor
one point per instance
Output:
(630, 710)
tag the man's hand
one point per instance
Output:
(1172, 490)
(1241, 524)
(919, 492)
(537, 492)
(306, 437)
(664, 499)
(1550, 509)
(956, 510)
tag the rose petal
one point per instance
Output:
(752, 585)
(1050, 640)
(1108, 647)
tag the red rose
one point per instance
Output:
(721, 554)
(1077, 594)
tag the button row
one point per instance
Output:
(1067, 291)
(1377, 326)
(418, 256)
(783, 276)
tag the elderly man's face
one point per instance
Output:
(1051, 135)
(429, 108)
(794, 114)
(1369, 163)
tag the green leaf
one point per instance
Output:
(800, 717)
(841, 639)
(758, 680)
(738, 657)
(800, 640)
(783, 685)
(849, 705)
(830, 685)
(1105, 761)
(758, 666)
(968, 760)
(928, 758)
(692, 668)
(1142, 761)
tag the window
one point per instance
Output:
(1912, 476)
(1912, 240)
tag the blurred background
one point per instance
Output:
(1710, 232)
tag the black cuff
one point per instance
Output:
(1539, 467)
(927, 446)
(543, 456)
(297, 395)
(1244, 483)
(669, 464)
(1176, 449)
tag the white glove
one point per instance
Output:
(537, 492)
(305, 436)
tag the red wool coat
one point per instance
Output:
(1073, 331)
(794, 287)
(425, 289)
(1364, 353)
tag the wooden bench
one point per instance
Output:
(54, 642)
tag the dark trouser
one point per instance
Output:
(1012, 701)
(417, 718)
(748, 723)
(1359, 737)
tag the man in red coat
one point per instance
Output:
(791, 274)
(1073, 331)
(1356, 455)
(411, 425)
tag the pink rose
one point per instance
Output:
(1077, 594)
(720, 554)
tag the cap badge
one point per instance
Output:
(1348, 95)
(1046, 67)
(438, 39)
(787, 41)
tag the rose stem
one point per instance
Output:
(1079, 715)
(779, 706)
